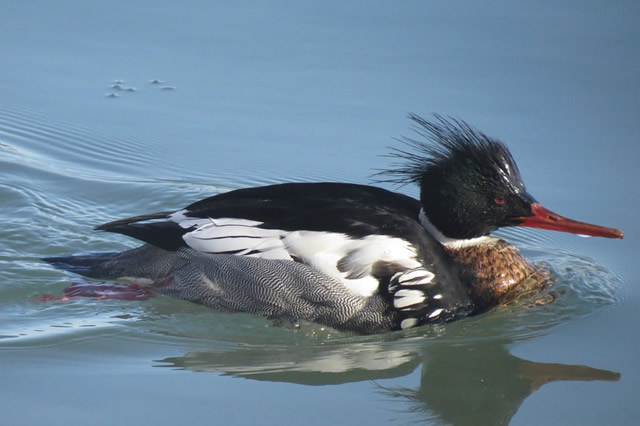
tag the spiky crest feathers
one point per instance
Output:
(446, 143)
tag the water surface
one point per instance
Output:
(117, 108)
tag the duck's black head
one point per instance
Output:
(470, 184)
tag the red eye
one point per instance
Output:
(499, 201)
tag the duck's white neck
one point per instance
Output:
(453, 243)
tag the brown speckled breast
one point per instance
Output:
(498, 273)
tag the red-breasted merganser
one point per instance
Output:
(354, 257)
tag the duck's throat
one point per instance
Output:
(495, 271)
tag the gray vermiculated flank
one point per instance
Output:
(266, 287)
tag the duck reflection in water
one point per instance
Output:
(477, 383)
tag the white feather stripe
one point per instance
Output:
(416, 273)
(224, 244)
(241, 245)
(416, 277)
(404, 298)
(213, 231)
(229, 221)
(436, 313)
(408, 323)
(187, 221)
(178, 216)
(452, 242)
(211, 238)
(424, 281)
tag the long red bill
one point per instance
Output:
(545, 219)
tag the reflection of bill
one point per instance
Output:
(483, 384)
(478, 383)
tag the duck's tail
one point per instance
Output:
(140, 264)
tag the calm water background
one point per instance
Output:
(263, 92)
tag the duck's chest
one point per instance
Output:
(497, 271)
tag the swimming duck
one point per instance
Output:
(357, 258)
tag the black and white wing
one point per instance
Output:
(358, 234)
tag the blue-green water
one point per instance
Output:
(264, 92)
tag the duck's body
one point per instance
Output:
(408, 261)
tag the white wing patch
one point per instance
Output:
(364, 253)
(350, 260)
(236, 237)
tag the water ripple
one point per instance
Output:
(34, 138)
